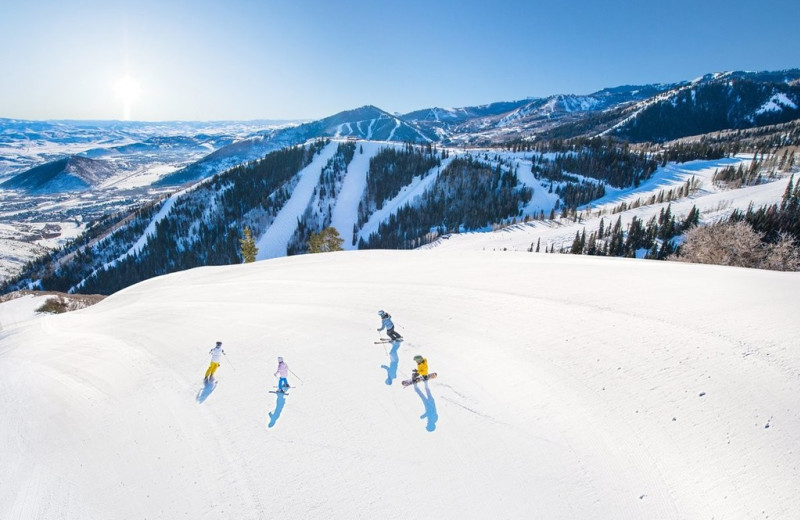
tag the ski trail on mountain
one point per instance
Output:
(406, 196)
(142, 241)
(345, 213)
(274, 242)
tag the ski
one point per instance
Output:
(409, 382)
(386, 340)
(278, 392)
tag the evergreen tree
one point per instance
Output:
(248, 246)
(325, 241)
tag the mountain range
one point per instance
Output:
(646, 113)
(384, 179)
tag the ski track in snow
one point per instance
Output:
(275, 240)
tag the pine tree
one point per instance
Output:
(787, 195)
(325, 241)
(248, 246)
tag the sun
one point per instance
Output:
(128, 90)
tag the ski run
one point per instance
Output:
(568, 387)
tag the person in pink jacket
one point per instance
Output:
(283, 372)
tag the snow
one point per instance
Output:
(18, 311)
(713, 203)
(406, 196)
(149, 231)
(274, 241)
(777, 103)
(345, 213)
(569, 387)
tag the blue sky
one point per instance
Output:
(304, 59)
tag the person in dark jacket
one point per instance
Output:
(389, 326)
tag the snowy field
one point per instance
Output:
(569, 387)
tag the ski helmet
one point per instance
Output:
(280, 359)
(418, 358)
(219, 343)
(381, 313)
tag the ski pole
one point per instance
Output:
(229, 362)
(295, 375)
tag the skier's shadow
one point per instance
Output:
(430, 407)
(204, 392)
(391, 369)
(276, 414)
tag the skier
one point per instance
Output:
(216, 357)
(283, 370)
(421, 372)
(389, 326)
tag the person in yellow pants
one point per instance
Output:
(216, 358)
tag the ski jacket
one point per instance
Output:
(422, 367)
(283, 370)
(216, 354)
(387, 323)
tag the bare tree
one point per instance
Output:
(738, 244)
(734, 244)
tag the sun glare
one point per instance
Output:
(128, 90)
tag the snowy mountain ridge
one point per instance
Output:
(149, 167)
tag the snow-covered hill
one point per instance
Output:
(569, 387)
(71, 174)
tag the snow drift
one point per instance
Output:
(569, 387)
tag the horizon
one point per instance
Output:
(250, 61)
(305, 120)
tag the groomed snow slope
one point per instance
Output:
(569, 387)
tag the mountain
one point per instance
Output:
(568, 387)
(71, 174)
(133, 145)
(497, 123)
(367, 122)
(546, 157)
(402, 196)
(734, 100)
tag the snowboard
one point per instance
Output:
(387, 340)
(409, 382)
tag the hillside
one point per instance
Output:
(72, 174)
(569, 387)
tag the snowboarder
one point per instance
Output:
(216, 357)
(389, 326)
(283, 371)
(421, 372)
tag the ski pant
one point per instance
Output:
(282, 382)
(392, 334)
(211, 369)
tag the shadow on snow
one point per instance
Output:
(430, 407)
(276, 414)
(205, 392)
(391, 369)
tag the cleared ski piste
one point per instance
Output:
(569, 387)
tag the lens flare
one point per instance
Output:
(128, 90)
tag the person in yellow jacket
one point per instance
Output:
(421, 372)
